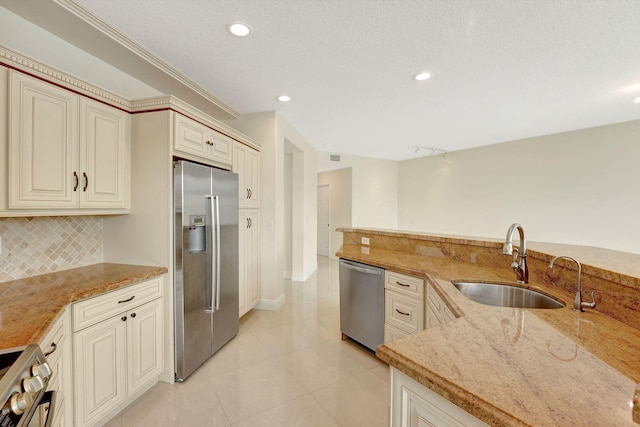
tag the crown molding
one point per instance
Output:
(28, 65)
(78, 10)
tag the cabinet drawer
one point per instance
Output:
(97, 309)
(408, 285)
(403, 312)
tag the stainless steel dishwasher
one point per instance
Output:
(362, 303)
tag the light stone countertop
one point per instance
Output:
(515, 367)
(29, 306)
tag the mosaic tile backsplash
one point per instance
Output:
(39, 245)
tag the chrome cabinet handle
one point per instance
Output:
(402, 312)
(86, 181)
(76, 181)
(402, 284)
(127, 300)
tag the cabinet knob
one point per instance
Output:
(133, 315)
(124, 318)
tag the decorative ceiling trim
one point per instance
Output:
(27, 65)
(139, 50)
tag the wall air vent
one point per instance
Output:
(334, 157)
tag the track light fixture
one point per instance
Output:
(433, 150)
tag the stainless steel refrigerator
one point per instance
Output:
(205, 263)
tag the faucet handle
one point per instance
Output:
(591, 304)
(515, 264)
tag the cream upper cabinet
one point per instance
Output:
(43, 145)
(66, 152)
(246, 163)
(194, 138)
(104, 159)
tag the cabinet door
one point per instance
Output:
(239, 166)
(145, 342)
(104, 156)
(243, 230)
(253, 258)
(253, 178)
(190, 136)
(249, 261)
(220, 147)
(43, 146)
(99, 366)
(412, 404)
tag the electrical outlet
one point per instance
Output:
(365, 240)
(365, 251)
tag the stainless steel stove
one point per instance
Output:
(24, 376)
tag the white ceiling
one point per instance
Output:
(502, 69)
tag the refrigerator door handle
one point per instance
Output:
(215, 256)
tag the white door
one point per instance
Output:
(324, 220)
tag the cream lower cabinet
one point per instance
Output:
(249, 259)
(66, 152)
(404, 308)
(414, 405)
(119, 353)
(56, 345)
(437, 311)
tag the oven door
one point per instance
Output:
(44, 412)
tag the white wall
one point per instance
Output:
(339, 181)
(579, 187)
(374, 190)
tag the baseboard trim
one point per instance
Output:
(273, 304)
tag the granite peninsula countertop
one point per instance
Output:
(510, 366)
(29, 306)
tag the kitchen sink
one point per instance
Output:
(502, 295)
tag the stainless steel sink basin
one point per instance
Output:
(502, 295)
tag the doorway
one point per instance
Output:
(324, 220)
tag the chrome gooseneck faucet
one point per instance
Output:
(519, 264)
(578, 304)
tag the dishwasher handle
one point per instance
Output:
(361, 269)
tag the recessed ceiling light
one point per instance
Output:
(422, 76)
(284, 98)
(637, 100)
(238, 28)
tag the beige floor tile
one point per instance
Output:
(327, 363)
(191, 403)
(287, 338)
(244, 349)
(256, 388)
(361, 400)
(302, 412)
